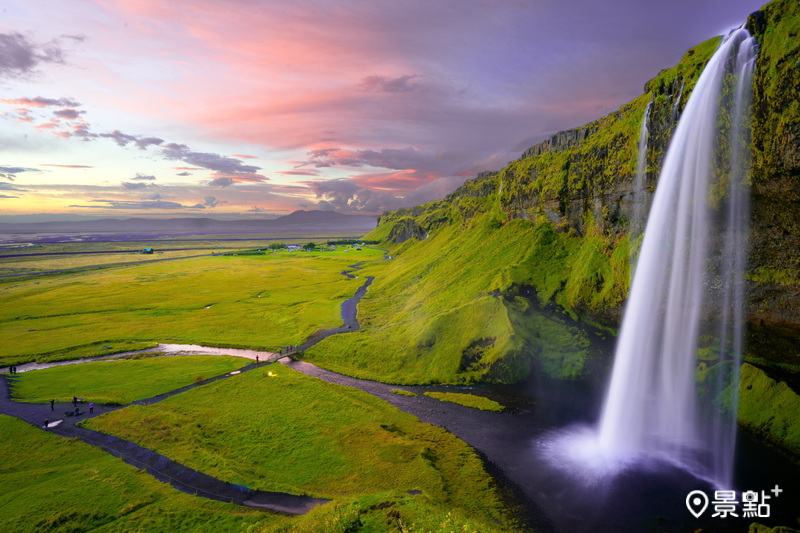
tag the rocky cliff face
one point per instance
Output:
(775, 231)
(581, 180)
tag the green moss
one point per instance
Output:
(769, 408)
(776, 118)
(467, 400)
(760, 528)
(402, 392)
(777, 276)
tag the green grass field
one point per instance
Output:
(263, 301)
(121, 382)
(62, 485)
(22, 265)
(294, 433)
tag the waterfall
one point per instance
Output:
(640, 187)
(662, 401)
(674, 115)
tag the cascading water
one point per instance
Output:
(674, 115)
(687, 272)
(640, 187)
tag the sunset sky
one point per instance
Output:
(243, 108)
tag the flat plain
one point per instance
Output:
(271, 428)
(247, 301)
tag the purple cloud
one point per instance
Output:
(20, 57)
(393, 158)
(221, 182)
(212, 202)
(144, 142)
(219, 163)
(400, 84)
(122, 139)
(69, 114)
(10, 173)
(128, 186)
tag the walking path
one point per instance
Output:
(162, 468)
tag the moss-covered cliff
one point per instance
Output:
(534, 259)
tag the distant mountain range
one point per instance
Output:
(297, 221)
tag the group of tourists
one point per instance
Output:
(77, 412)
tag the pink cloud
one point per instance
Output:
(305, 172)
(403, 180)
(64, 166)
(51, 125)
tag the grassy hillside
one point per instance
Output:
(530, 260)
(513, 263)
(462, 304)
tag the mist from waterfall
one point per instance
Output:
(672, 393)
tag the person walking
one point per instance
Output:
(74, 401)
(52, 405)
(91, 407)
